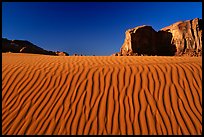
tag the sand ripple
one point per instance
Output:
(101, 95)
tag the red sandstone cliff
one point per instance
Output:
(181, 38)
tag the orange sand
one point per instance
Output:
(101, 95)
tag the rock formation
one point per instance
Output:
(186, 36)
(61, 53)
(22, 46)
(141, 40)
(181, 38)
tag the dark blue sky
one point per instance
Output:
(89, 28)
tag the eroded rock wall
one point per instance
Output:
(180, 38)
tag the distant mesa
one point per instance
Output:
(181, 38)
(23, 46)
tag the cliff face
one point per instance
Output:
(140, 40)
(21, 46)
(186, 36)
(181, 38)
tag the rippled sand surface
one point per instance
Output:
(101, 94)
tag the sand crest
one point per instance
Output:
(101, 95)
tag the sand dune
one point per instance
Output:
(101, 95)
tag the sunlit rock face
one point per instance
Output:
(186, 36)
(181, 38)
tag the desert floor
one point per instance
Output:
(101, 95)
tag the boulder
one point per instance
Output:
(117, 54)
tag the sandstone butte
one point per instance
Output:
(180, 38)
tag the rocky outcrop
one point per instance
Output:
(61, 53)
(141, 40)
(181, 38)
(186, 36)
(117, 54)
(22, 46)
